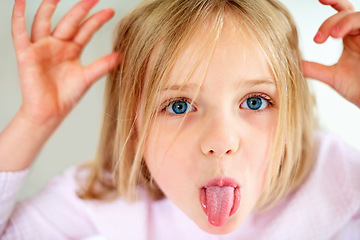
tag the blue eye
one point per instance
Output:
(179, 107)
(255, 103)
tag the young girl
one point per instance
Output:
(208, 126)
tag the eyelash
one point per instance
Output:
(174, 100)
(265, 97)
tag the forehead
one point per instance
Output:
(235, 54)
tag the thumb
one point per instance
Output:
(319, 72)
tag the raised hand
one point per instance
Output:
(52, 78)
(344, 76)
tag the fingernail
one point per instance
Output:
(317, 36)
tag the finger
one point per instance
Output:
(69, 24)
(325, 29)
(42, 21)
(90, 26)
(339, 5)
(319, 72)
(349, 24)
(101, 67)
(20, 35)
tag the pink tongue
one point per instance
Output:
(219, 202)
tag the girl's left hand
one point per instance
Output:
(344, 76)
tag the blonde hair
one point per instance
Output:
(166, 27)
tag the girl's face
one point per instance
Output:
(209, 147)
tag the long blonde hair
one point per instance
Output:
(168, 26)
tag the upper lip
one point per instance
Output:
(221, 182)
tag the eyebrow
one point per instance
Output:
(246, 83)
(182, 87)
(255, 82)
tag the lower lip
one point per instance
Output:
(222, 182)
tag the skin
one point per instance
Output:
(218, 137)
(52, 78)
(51, 89)
(344, 76)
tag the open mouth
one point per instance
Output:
(220, 199)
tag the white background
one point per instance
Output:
(76, 139)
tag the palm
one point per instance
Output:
(52, 77)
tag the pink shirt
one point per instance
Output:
(326, 206)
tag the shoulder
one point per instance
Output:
(64, 186)
(326, 203)
(336, 167)
(59, 205)
(335, 181)
(330, 196)
(329, 148)
(55, 211)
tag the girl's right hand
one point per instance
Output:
(52, 78)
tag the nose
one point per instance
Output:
(219, 138)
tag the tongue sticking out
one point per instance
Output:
(219, 202)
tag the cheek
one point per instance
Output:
(256, 157)
(166, 158)
(171, 164)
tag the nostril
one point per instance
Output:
(213, 152)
